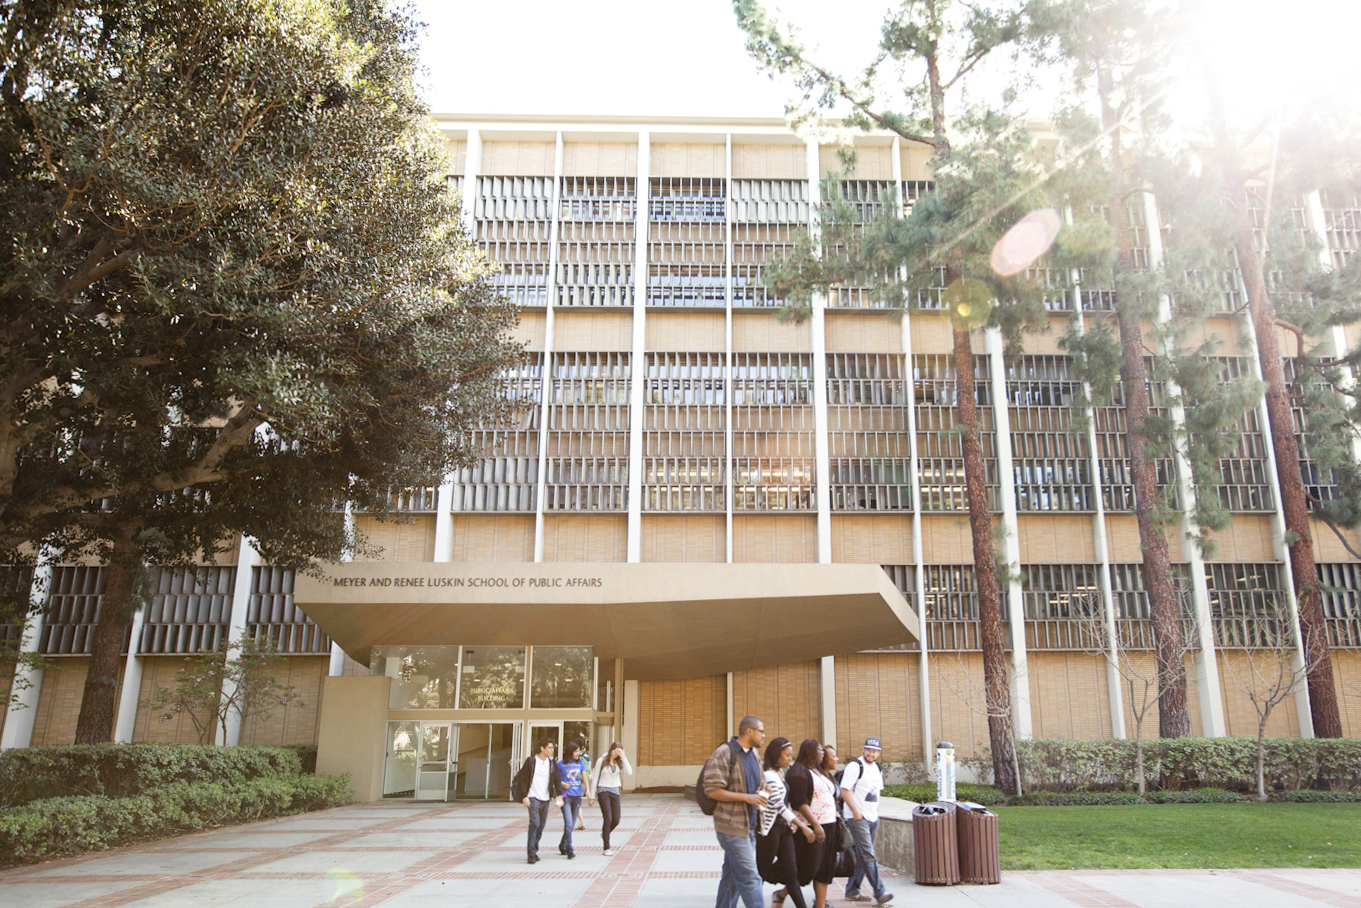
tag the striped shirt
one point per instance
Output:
(777, 807)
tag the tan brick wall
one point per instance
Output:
(1045, 342)
(1327, 547)
(592, 331)
(854, 332)
(879, 694)
(787, 698)
(296, 723)
(698, 332)
(594, 537)
(769, 538)
(600, 159)
(691, 159)
(946, 539)
(916, 161)
(1122, 540)
(1145, 665)
(1240, 718)
(414, 541)
(681, 722)
(478, 537)
(872, 538)
(458, 155)
(1223, 330)
(872, 162)
(529, 330)
(1055, 539)
(1247, 539)
(160, 672)
(762, 332)
(956, 708)
(1347, 677)
(684, 537)
(518, 159)
(787, 161)
(1068, 695)
(931, 334)
(63, 689)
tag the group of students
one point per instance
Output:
(542, 781)
(793, 820)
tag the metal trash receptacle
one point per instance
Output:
(980, 857)
(934, 844)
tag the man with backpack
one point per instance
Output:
(730, 790)
(537, 785)
(861, 782)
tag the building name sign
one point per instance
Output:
(471, 582)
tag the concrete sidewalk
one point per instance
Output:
(405, 854)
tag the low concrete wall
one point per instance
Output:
(352, 732)
(894, 847)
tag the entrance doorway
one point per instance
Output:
(559, 733)
(441, 761)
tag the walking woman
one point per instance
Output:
(775, 857)
(812, 795)
(826, 808)
(606, 783)
(572, 770)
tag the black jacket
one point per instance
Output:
(519, 788)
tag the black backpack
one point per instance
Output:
(837, 776)
(706, 803)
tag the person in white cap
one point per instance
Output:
(860, 786)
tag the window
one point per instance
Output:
(562, 677)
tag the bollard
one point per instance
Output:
(945, 771)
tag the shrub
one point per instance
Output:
(307, 753)
(1178, 763)
(1077, 799)
(124, 770)
(1196, 796)
(1314, 796)
(75, 824)
(981, 794)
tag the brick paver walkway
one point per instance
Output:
(417, 855)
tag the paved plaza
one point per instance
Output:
(417, 855)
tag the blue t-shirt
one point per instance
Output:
(572, 775)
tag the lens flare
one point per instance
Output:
(969, 299)
(349, 887)
(1028, 239)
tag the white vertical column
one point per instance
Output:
(914, 469)
(1210, 694)
(247, 559)
(20, 717)
(444, 520)
(629, 737)
(732, 719)
(125, 720)
(336, 667)
(1011, 544)
(727, 380)
(546, 380)
(638, 359)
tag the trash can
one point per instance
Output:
(980, 858)
(934, 844)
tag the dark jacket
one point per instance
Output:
(519, 788)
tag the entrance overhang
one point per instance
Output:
(665, 621)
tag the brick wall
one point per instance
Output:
(1068, 695)
(297, 723)
(1240, 718)
(160, 672)
(787, 698)
(59, 701)
(681, 722)
(1347, 678)
(878, 694)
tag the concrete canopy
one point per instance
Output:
(663, 620)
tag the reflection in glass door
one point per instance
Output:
(399, 765)
(438, 745)
(485, 760)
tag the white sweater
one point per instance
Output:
(608, 776)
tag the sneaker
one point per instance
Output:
(883, 899)
(533, 859)
(608, 852)
(857, 897)
(562, 849)
(571, 855)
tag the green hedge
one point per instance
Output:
(1197, 796)
(124, 770)
(981, 794)
(1062, 765)
(1077, 799)
(1314, 796)
(72, 825)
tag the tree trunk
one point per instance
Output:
(1294, 506)
(1261, 759)
(99, 705)
(1139, 757)
(1174, 720)
(990, 630)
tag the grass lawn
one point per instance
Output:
(1181, 835)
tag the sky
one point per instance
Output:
(598, 57)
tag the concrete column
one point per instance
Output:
(547, 380)
(247, 559)
(638, 359)
(732, 719)
(1011, 545)
(125, 721)
(1210, 694)
(727, 377)
(630, 732)
(444, 521)
(20, 717)
(827, 689)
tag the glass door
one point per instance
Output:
(485, 760)
(399, 764)
(438, 748)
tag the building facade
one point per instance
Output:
(671, 419)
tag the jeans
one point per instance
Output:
(739, 876)
(538, 819)
(571, 809)
(866, 864)
(609, 813)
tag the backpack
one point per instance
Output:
(837, 776)
(706, 803)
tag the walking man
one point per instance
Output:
(732, 777)
(860, 786)
(536, 785)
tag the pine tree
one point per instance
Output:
(236, 289)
